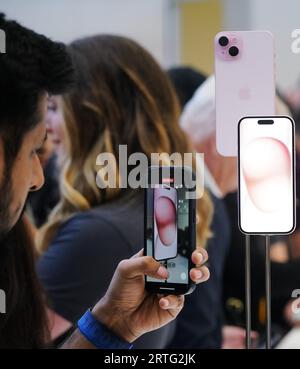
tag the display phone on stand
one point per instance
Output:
(245, 82)
(266, 170)
(170, 226)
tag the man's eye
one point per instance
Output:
(38, 151)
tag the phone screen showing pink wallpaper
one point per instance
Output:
(165, 222)
(266, 175)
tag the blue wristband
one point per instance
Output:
(99, 335)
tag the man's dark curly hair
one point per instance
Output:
(31, 66)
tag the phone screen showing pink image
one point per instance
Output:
(165, 222)
(266, 175)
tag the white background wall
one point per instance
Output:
(280, 17)
(154, 23)
(150, 22)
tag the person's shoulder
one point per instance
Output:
(87, 228)
(81, 220)
(119, 223)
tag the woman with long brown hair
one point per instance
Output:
(122, 97)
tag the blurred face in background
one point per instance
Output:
(55, 125)
(223, 169)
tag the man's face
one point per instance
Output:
(223, 169)
(26, 174)
(55, 123)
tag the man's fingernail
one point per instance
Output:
(162, 272)
(201, 257)
(198, 274)
(165, 303)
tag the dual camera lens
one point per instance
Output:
(233, 50)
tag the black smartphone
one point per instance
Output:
(170, 226)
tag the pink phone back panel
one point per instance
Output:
(245, 84)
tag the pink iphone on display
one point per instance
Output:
(245, 83)
(266, 175)
(165, 223)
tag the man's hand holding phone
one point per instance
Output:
(128, 310)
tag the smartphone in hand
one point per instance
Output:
(170, 227)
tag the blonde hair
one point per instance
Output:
(122, 97)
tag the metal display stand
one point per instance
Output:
(248, 291)
(268, 292)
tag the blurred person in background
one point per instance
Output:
(186, 81)
(204, 328)
(292, 98)
(198, 121)
(121, 97)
